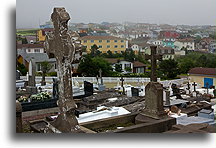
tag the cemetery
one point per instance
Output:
(67, 106)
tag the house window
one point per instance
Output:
(100, 41)
(100, 46)
(38, 67)
(127, 65)
(108, 46)
(115, 41)
(108, 41)
(116, 46)
(37, 50)
(115, 51)
(92, 41)
(29, 50)
(122, 41)
(122, 46)
(85, 41)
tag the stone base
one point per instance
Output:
(153, 114)
(101, 87)
(66, 124)
(31, 89)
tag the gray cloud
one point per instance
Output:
(29, 13)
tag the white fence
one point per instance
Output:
(165, 83)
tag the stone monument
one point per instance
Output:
(101, 86)
(153, 92)
(18, 117)
(63, 46)
(31, 88)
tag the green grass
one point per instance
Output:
(24, 32)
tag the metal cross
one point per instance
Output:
(188, 86)
(122, 84)
(153, 57)
(194, 85)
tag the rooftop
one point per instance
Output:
(100, 38)
(30, 46)
(203, 71)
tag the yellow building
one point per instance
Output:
(41, 34)
(105, 43)
(204, 76)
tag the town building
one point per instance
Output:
(139, 67)
(169, 34)
(105, 43)
(41, 34)
(155, 42)
(187, 43)
(203, 76)
(168, 42)
(207, 45)
(166, 52)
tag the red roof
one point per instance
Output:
(203, 71)
(138, 64)
(30, 45)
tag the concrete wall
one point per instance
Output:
(200, 79)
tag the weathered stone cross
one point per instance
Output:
(62, 45)
(153, 57)
(100, 75)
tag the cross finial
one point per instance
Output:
(153, 57)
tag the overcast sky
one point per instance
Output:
(31, 13)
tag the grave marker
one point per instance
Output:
(153, 57)
(63, 46)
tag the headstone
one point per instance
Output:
(101, 86)
(18, 117)
(100, 73)
(88, 88)
(167, 102)
(214, 92)
(135, 92)
(55, 89)
(61, 44)
(207, 87)
(17, 75)
(154, 90)
(154, 101)
(31, 88)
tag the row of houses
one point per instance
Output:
(26, 52)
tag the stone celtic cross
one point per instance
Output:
(61, 44)
(153, 57)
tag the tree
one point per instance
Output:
(109, 54)
(118, 68)
(169, 68)
(93, 50)
(23, 70)
(128, 69)
(45, 67)
(89, 66)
